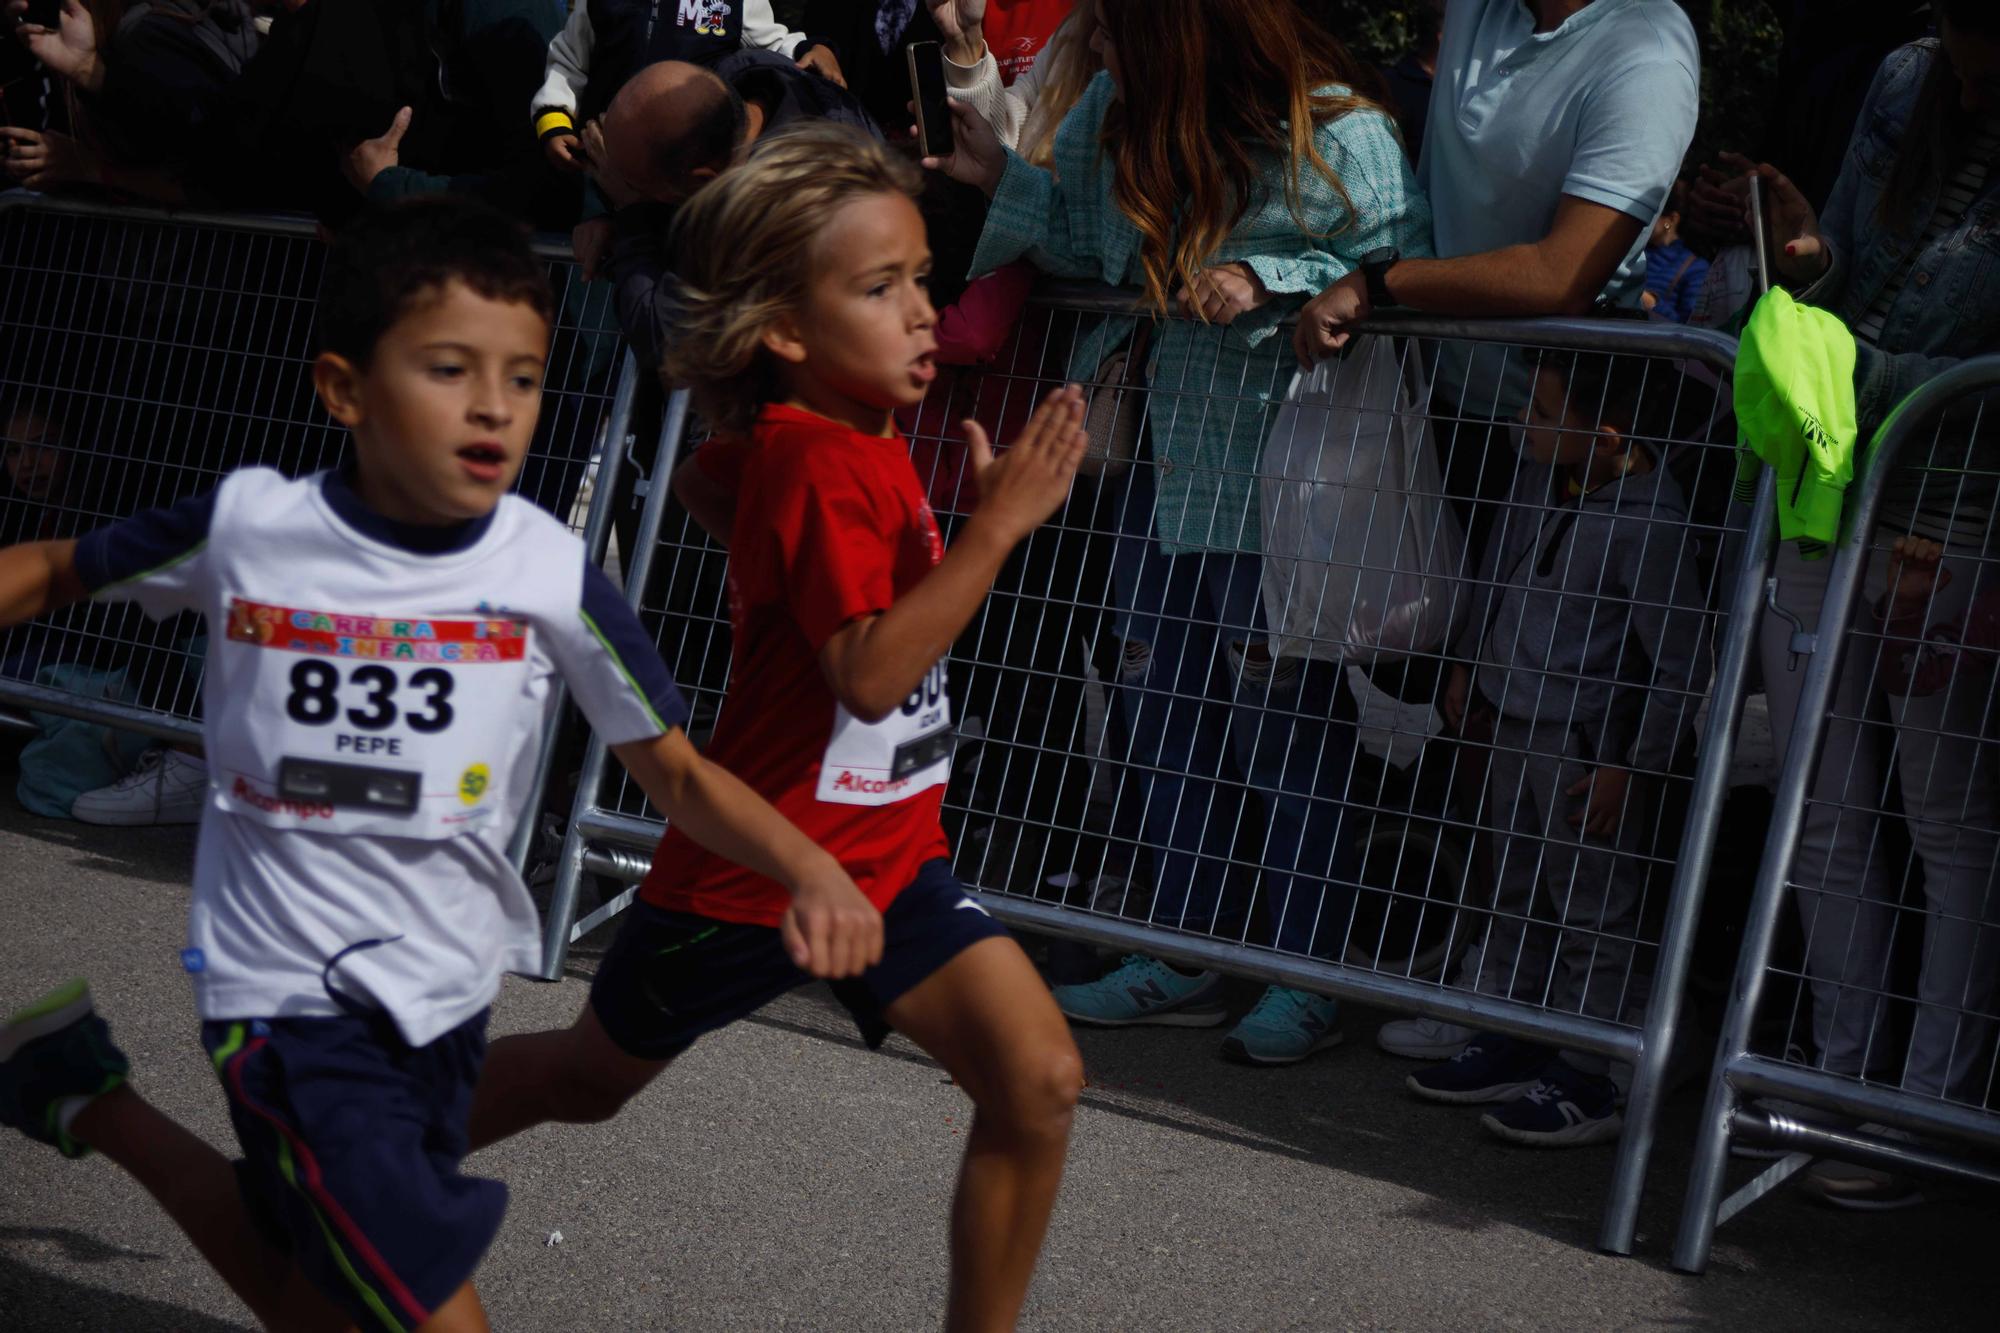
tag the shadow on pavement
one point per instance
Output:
(40, 1302)
(1349, 1111)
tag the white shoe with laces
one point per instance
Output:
(167, 787)
(1423, 1038)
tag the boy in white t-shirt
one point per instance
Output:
(388, 639)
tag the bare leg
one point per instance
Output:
(196, 1185)
(576, 1075)
(988, 1018)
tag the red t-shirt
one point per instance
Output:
(1017, 30)
(831, 525)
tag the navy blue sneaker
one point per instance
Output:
(1566, 1108)
(1491, 1068)
(55, 1057)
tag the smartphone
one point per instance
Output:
(927, 91)
(47, 13)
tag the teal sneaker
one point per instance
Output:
(1145, 990)
(55, 1057)
(1284, 1028)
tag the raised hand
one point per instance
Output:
(371, 157)
(1020, 489)
(958, 21)
(69, 48)
(1800, 254)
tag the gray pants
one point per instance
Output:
(1560, 896)
(1952, 806)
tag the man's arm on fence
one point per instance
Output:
(36, 578)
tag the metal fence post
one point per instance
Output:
(570, 868)
(1700, 1212)
(596, 537)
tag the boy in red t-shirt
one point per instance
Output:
(806, 325)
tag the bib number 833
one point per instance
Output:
(315, 700)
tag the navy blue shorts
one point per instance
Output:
(670, 977)
(352, 1142)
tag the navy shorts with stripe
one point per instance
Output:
(670, 977)
(352, 1141)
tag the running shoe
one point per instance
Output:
(1145, 990)
(56, 1055)
(1423, 1038)
(1284, 1028)
(167, 787)
(1490, 1068)
(1566, 1108)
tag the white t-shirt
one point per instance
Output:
(373, 700)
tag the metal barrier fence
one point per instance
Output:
(1168, 745)
(145, 354)
(1881, 1028)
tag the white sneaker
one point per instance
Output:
(167, 787)
(1423, 1038)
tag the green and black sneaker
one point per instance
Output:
(55, 1056)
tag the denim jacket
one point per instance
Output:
(1949, 305)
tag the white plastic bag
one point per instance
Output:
(1360, 546)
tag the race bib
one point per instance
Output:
(880, 763)
(351, 723)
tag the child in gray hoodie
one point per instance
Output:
(1587, 644)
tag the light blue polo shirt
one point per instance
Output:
(1602, 108)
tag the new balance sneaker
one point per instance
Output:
(1566, 1108)
(167, 787)
(1489, 1068)
(1145, 990)
(1284, 1028)
(1423, 1038)
(55, 1056)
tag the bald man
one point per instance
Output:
(670, 130)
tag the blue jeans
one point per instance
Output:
(1218, 734)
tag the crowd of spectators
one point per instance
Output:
(1233, 162)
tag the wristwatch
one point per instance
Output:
(1375, 266)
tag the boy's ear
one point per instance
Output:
(338, 382)
(781, 339)
(1610, 442)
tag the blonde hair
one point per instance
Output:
(1072, 64)
(744, 257)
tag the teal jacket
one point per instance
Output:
(1214, 388)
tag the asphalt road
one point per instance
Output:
(784, 1177)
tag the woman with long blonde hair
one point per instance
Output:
(1229, 162)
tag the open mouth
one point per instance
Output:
(483, 462)
(924, 368)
